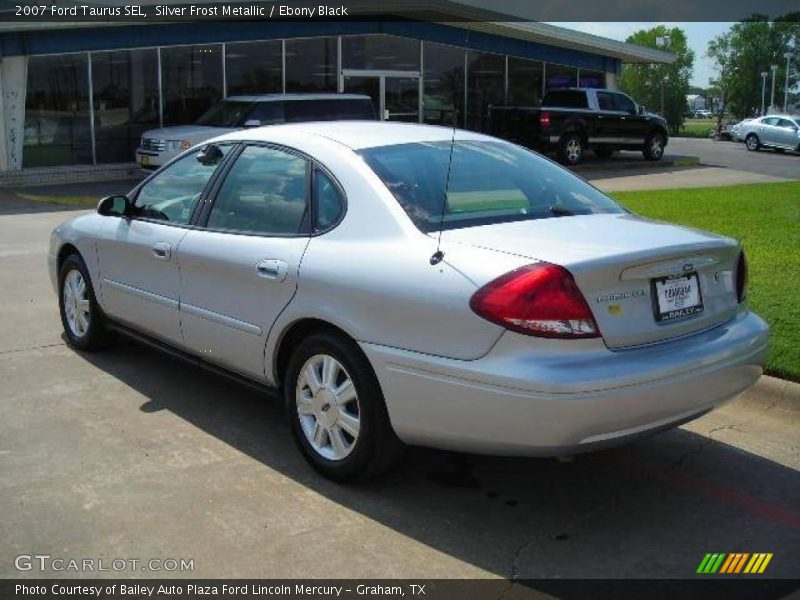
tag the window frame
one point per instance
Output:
(200, 203)
(309, 230)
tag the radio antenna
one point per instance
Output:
(438, 256)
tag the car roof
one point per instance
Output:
(360, 134)
(279, 97)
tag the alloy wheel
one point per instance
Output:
(656, 147)
(76, 303)
(573, 150)
(327, 406)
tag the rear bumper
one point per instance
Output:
(536, 397)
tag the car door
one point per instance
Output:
(139, 270)
(766, 131)
(609, 126)
(239, 267)
(633, 126)
(785, 133)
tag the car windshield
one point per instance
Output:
(489, 182)
(226, 114)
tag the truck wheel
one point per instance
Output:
(654, 146)
(570, 149)
(603, 152)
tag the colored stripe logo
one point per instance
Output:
(734, 563)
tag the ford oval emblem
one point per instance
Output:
(688, 267)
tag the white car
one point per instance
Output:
(404, 283)
(159, 146)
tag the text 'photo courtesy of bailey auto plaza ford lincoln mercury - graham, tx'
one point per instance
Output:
(446, 299)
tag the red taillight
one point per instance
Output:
(544, 119)
(741, 277)
(541, 300)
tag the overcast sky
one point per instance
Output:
(698, 35)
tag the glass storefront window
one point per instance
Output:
(443, 84)
(311, 65)
(381, 52)
(125, 88)
(591, 79)
(254, 68)
(560, 76)
(485, 87)
(57, 111)
(191, 79)
(524, 81)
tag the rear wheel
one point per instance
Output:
(336, 409)
(570, 149)
(80, 314)
(654, 146)
(751, 142)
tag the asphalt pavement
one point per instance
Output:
(733, 155)
(131, 454)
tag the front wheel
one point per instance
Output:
(80, 313)
(654, 146)
(570, 149)
(751, 142)
(337, 412)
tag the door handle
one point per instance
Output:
(272, 269)
(162, 251)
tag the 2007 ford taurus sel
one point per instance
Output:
(410, 284)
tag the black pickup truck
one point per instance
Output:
(571, 120)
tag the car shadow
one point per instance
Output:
(650, 509)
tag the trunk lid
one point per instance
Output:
(616, 259)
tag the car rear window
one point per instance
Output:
(489, 182)
(566, 99)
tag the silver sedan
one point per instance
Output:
(406, 284)
(780, 132)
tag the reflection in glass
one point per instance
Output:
(311, 65)
(592, 79)
(125, 88)
(485, 85)
(560, 76)
(254, 68)
(380, 51)
(443, 86)
(57, 111)
(191, 80)
(524, 81)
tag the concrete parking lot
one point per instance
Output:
(131, 454)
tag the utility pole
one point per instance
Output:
(788, 56)
(763, 90)
(774, 69)
(662, 42)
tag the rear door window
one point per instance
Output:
(566, 99)
(265, 192)
(330, 203)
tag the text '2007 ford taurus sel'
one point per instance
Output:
(407, 284)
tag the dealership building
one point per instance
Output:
(76, 98)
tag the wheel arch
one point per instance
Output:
(66, 249)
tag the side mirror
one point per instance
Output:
(252, 123)
(114, 206)
(210, 155)
(640, 110)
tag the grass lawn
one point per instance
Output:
(766, 218)
(698, 128)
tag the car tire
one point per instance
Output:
(751, 142)
(342, 427)
(570, 149)
(83, 321)
(604, 152)
(654, 146)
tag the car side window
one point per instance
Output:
(605, 101)
(330, 203)
(770, 121)
(265, 192)
(172, 194)
(624, 103)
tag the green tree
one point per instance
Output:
(646, 83)
(748, 49)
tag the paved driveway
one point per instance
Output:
(131, 454)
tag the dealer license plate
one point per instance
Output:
(144, 160)
(677, 297)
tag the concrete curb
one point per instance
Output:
(773, 393)
(632, 164)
